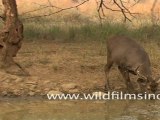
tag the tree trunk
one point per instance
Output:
(11, 36)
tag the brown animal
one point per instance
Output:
(130, 58)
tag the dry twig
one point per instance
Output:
(58, 11)
(121, 8)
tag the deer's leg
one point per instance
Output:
(107, 69)
(125, 75)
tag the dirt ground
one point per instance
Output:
(53, 65)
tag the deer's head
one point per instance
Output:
(146, 82)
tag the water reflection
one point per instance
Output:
(80, 110)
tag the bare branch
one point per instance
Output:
(99, 7)
(53, 6)
(35, 10)
(121, 8)
(42, 8)
(58, 11)
(136, 2)
(115, 10)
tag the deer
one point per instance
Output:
(131, 58)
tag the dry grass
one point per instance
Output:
(80, 62)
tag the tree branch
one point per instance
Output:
(58, 11)
(44, 7)
(121, 8)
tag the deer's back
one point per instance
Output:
(125, 51)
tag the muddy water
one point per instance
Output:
(79, 110)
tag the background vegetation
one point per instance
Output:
(85, 29)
